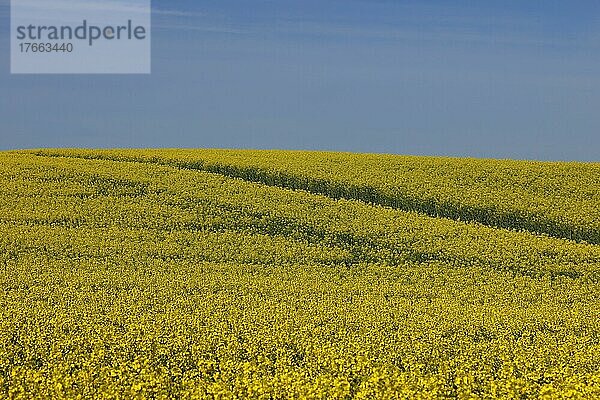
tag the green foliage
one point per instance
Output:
(144, 279)
(557, 199)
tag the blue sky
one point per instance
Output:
(501, 79)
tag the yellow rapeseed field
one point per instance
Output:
(170, 274)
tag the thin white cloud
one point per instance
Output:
(177, 13)
(449, 34)
(118, 6)
(129, 6)
(200, 28)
